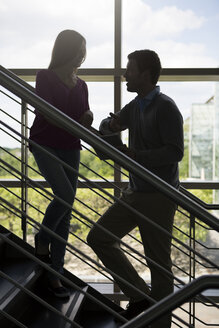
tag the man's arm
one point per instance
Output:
(170, 129)
(114, 123)
(111, 124)
(165, 155)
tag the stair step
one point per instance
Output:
(3, 244)
(31, 312)
(12, 299)
(23, 272)
(75, 309)
(94, 319)
(95, 315)
(41, 316)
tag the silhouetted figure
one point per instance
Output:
(156, 142)
(60, 86)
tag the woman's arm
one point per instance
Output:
(86, 119)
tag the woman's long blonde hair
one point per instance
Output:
(69, 46)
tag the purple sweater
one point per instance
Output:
(73, 102)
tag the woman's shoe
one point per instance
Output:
(60, 292)
(43, 257)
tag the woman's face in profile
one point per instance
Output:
(78, 60)
(83, 49)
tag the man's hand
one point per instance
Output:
(86, 119)
(115, 123)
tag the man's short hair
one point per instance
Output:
(147, 59)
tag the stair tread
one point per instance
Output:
(47, 317)
(34, 314)
(100, 320)
(17, 269)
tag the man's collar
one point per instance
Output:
(152, 94)
(143, 102)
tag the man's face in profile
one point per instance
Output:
(134, 78)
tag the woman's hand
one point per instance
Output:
(86, 119)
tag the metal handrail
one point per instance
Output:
(172, 301)
(16, 78)
(161, 180)
(76, 129)
(198, 200)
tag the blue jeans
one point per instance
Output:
(63, 183)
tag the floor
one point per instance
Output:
(209, 315)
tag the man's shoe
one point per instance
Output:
(135, 308)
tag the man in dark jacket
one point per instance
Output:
(156, 142)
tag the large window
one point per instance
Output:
(29, 28)
(101, 100)
(182, 32)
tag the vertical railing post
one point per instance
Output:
(192, 242)
(117, 75)
(24, 168)
(117, 84)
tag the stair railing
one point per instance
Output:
(76, 129)
(198, 200)
(211, 217)
(34, 183)
(53, 234)
(92, 222)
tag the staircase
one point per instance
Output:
(24, 299)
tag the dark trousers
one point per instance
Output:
(157, 245)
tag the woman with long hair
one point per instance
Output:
(60, 86)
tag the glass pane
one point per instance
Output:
(101, 104)
(183, 33)
(101, 100)
(29, 29)
(10, 114)
(199, 105)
